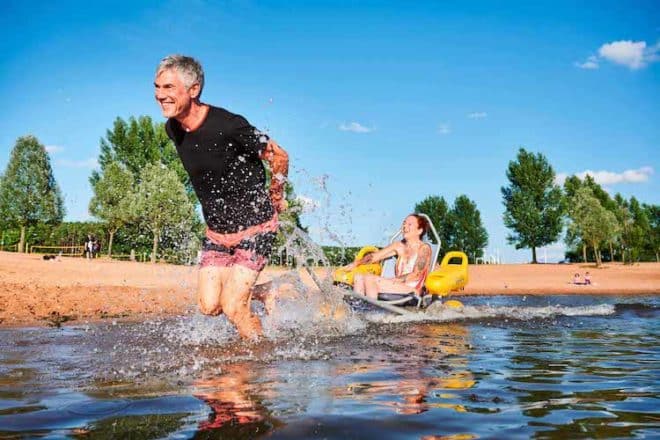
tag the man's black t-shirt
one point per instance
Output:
(222, 159)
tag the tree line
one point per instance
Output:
(459, 227)
(597, 226)
(143, 201)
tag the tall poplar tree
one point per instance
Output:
(111, 201)
(438, 211)
(469, 234)
(161, 205)
(533, 202)
(571, 185)
(591, 221)
(29, 194)
(134, 144)
(653, 237)
(625, 221)
(639, 229)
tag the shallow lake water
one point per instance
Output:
(504, 367)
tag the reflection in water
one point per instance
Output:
(407, 392)
(235, 411)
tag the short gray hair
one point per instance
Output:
(190, 69)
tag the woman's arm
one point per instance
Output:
(375, 257)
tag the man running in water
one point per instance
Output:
(223, 154)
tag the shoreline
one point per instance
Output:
(37, 293)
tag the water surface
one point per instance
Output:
(505, 367)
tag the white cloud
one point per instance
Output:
(632, 54)
(609, 177)
(86, 163)
(590, 63)
(54, 149)
(444, 128)
(477, 115)
(355, 127)
(627, 53)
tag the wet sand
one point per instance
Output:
(38, 292)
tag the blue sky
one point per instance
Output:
(379, 104)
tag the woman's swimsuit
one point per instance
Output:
(405, 267)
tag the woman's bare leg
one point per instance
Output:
(358, 283)
(376, 285)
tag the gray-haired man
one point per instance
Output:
(222, 152)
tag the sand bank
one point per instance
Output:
(38, 292)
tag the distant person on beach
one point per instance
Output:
(96, 248)
(412, 265)
(222, 153)
(586, 279)
(576, 279)
(89, 246)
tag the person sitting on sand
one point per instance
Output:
(587, 279)
(576, 279)
(412, 266)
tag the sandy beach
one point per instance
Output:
(34, 291)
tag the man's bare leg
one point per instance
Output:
(235, 300)
(209, 287)
(227, 290)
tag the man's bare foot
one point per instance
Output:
(282, 291)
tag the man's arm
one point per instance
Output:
(278, 162)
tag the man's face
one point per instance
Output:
(172, 95)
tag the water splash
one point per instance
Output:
(437, 312)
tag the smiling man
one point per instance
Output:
(222, 152)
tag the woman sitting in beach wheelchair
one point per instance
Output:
(450, 276)
(397, 281)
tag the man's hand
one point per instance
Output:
(279, 202)
(278, 162)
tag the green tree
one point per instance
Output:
(136, 143)
(111, 201)
(591, 221)
(438, 211)
(639, 229)
(4, 223)
(290, 218)
(28, 192)
(625, 221)
(161, 205)
(606, 202)
(571, 185)
(653, 238)
(533, 202)
(603, 196)
(469, 234)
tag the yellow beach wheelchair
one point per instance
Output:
(450, 276)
